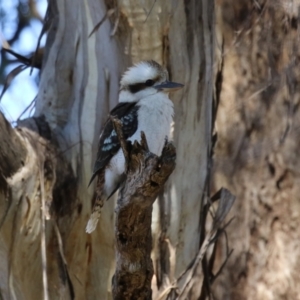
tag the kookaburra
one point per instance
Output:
(144, 105)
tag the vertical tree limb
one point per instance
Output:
(147, 174)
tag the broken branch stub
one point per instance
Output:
(146, 176)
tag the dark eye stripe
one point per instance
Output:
(134, 88)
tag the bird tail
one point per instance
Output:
(94, 218)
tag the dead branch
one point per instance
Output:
(147, 174)
(200, 269)
(226, 200)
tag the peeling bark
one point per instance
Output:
(23, 225)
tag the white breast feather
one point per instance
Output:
(155, 116)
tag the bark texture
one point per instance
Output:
(43, 185)
(189, 45)
(257, 154)
(146, 176)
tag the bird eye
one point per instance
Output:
(149, 82)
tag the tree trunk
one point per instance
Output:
(79, 85)
(257, 154)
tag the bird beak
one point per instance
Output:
(169, 86)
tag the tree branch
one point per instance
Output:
(147, 174)
(12, 151)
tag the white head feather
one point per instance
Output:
(139, 74)
(143, 71)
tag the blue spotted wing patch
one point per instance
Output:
(109, 143)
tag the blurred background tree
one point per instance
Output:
(257, 153)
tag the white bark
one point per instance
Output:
(193, 125)
(79, 85)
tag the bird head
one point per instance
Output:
(144, 79)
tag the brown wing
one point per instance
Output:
(109, 143)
